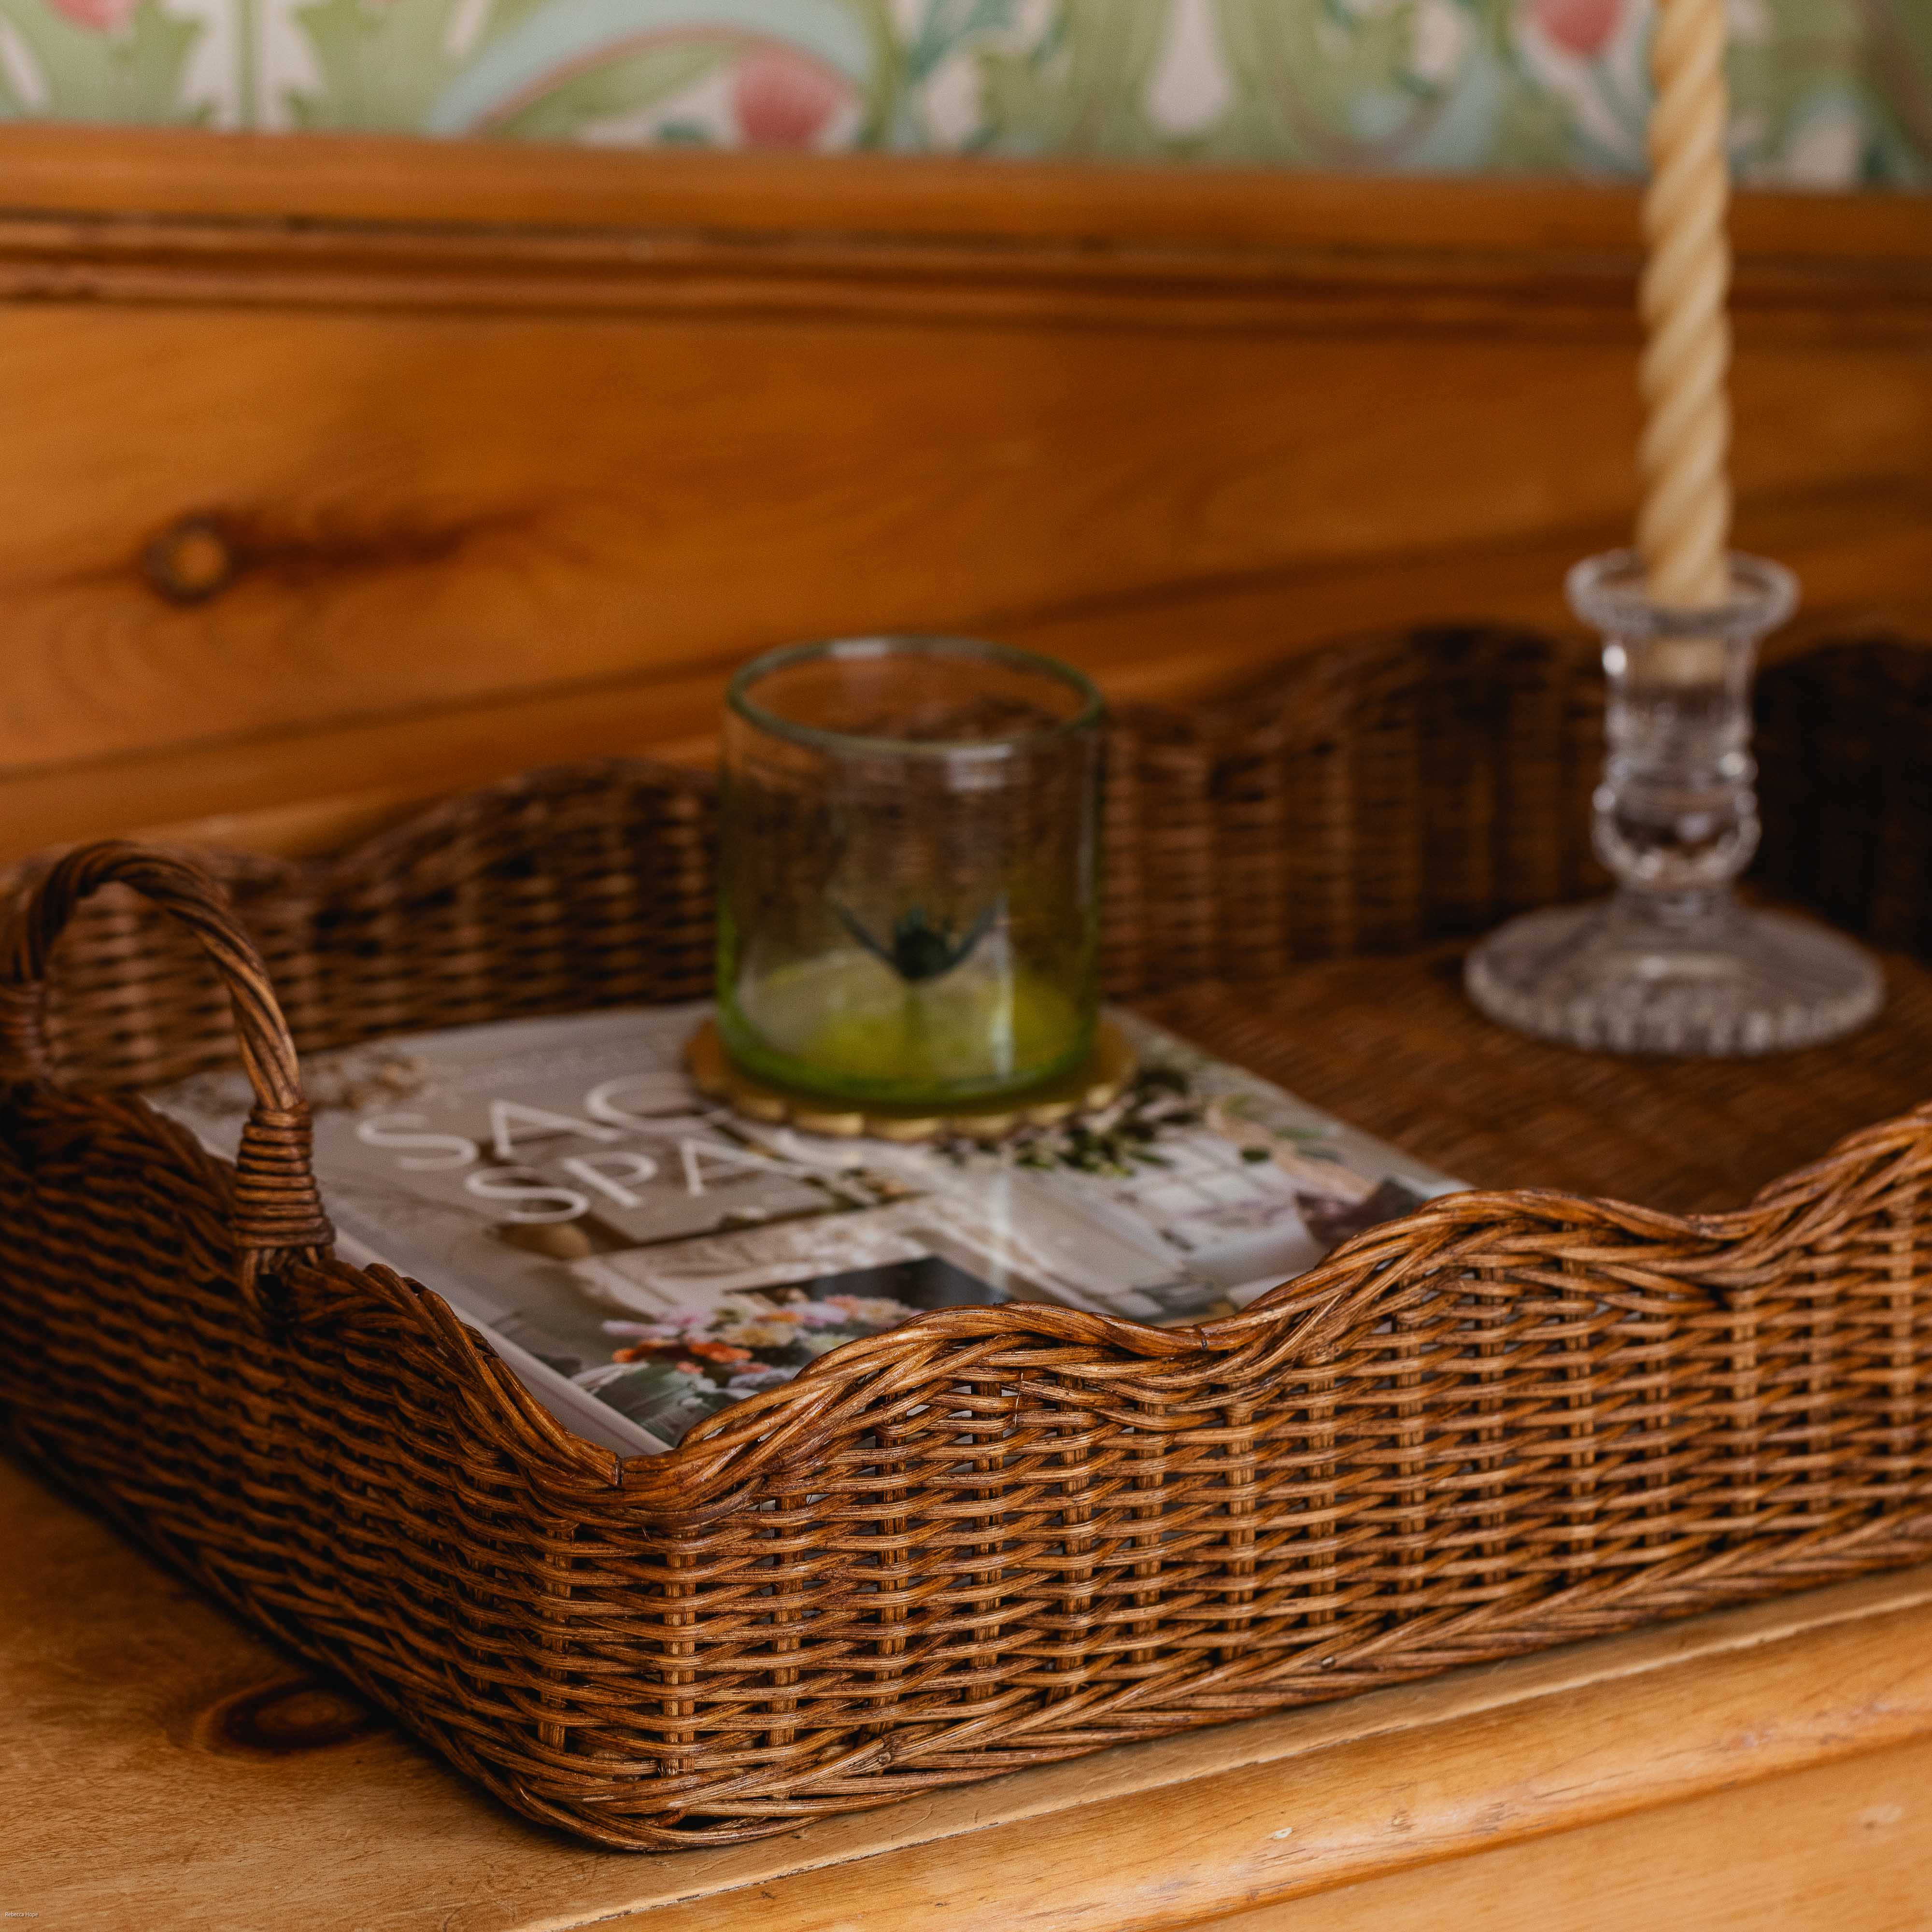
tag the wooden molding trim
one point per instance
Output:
(329, 221)
(347, 470)
(385, 179)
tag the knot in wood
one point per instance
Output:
(193, 560)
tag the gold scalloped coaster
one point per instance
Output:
(1100, 1081)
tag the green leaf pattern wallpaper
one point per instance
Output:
(1827, 93)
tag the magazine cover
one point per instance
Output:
(643, 1257)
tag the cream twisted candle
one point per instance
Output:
(1684, 529)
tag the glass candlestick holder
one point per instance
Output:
(1672, 964)
(908, 894)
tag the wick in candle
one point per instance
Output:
(1684, 529)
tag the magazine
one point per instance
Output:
(642, 1257)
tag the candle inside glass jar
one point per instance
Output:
(907, 902)
(848, 1014)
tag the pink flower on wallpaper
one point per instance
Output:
(1583, 27)
(783, 101)
(100, 16)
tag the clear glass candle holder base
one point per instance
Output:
(1627, 975)
(1673, 963)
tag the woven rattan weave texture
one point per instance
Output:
(996, 1536)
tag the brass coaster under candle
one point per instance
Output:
(1099, 1081)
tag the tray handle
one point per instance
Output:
(276, 1207)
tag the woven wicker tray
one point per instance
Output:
(990, 1538)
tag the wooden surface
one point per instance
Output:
(160, 1769)
(1840, 1848)
(68, 168)
(341, 474)
(1764, 1768)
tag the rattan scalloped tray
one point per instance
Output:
(991, 1538)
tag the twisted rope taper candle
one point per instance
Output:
(1684, 529)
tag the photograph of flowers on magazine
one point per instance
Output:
(643, 1257)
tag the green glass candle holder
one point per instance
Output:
(908, 870)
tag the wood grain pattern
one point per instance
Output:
(123, 1685)
(1395, 1801)
(375, 178)
(1841, 1848)
(511, 454)
(308, 788)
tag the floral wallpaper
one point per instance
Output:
(1827, 93)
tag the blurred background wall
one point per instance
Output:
(1828, 93)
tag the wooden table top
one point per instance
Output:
(161, 1767)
